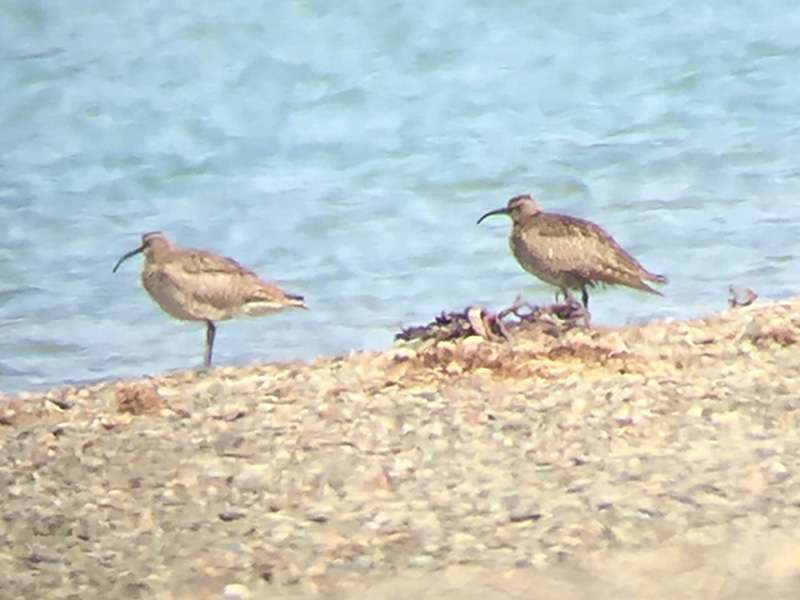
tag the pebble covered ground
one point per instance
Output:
(656, 460)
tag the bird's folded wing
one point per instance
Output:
(218, 286)
(202, 262)
(585, 246)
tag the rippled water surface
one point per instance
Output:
(345, 150)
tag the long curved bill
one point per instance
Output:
(499, 211)
(127, 256)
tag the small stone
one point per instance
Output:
(578, 405)
(527, 514)
(382, 480)
(420, 560)
(317, 570)
(254, 477)
(453, 368)
(8, 418)
(138, 398)
(402, 354)
(463, 541)
(236, 591)
(623, 415)
(696, 411)
(725, 418)
(317, 515)
(229, 412)
(364, 562)
(231, 515)
(36, 558)
(777, 469)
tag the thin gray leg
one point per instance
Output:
(569, 298)
(211, 331)
(585, 296)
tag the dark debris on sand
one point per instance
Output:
(551, 319)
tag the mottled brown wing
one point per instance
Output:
(584, 248)
(220, 281)
(202, 261)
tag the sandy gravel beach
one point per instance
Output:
(657, 460)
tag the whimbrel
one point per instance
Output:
(198, 285)
(569, 252)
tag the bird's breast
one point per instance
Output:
(173, 299)
(535, 256)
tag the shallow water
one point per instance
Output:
(345, 151)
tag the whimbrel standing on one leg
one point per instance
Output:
(569, 252)
(197, 285)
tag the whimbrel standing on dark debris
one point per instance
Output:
(197, 285)
(570, 252)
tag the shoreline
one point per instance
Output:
(543, 463)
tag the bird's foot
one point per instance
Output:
(571, 311)
(582, 314)
(203, 367)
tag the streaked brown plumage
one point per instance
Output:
(198, 285)
(569, 252)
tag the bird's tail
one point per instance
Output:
(296, 300)
(656, 278)
(641, 285)
(635, 280)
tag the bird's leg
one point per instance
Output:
(573, 312)
(579, 311)
(569, 299)
(211, 331)
(583, 314)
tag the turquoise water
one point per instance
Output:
(345, 151)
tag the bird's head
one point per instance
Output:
(518, 208)
(153, 243)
